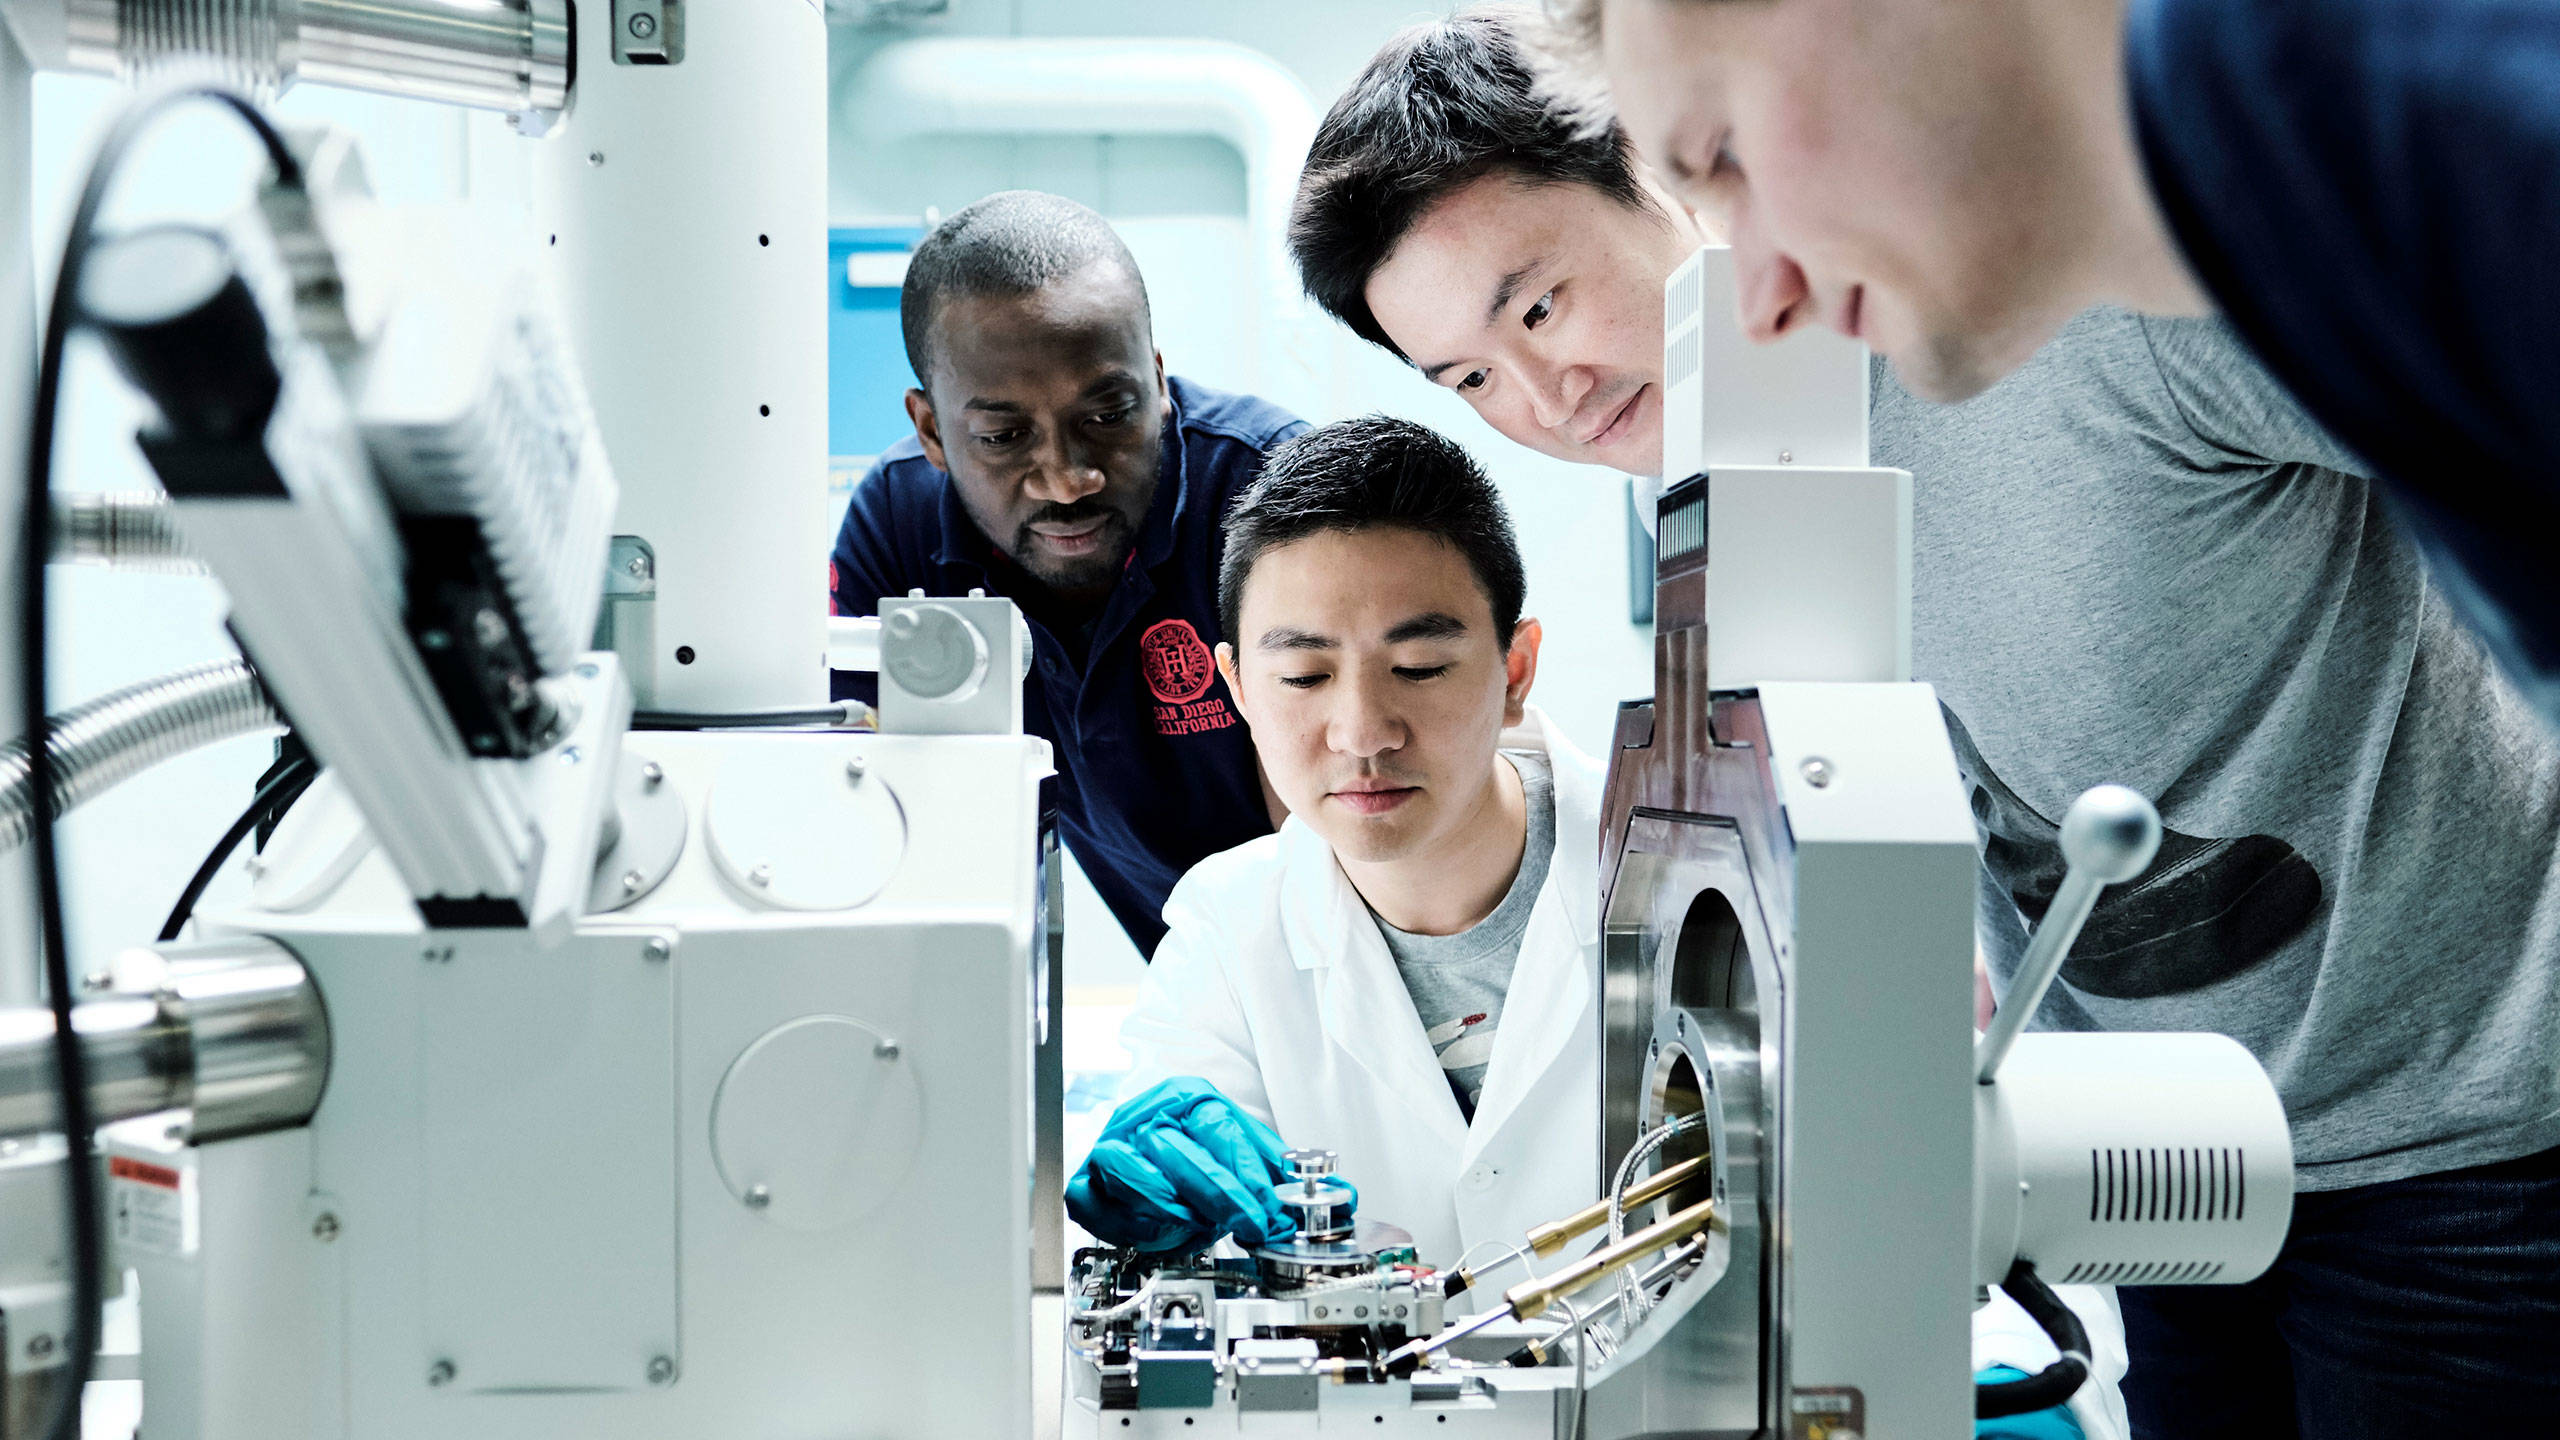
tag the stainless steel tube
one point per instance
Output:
(510, 55)
(135, 1059)
(117, 736)
(257, 1036)
(237, 1033)
(124, 530)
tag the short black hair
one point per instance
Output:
(1010, 243)
(1444, 104)
(1370, 473)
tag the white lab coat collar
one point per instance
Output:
(1369, 1014)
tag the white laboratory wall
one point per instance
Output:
(1180, 204)
(129, 852)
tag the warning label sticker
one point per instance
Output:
(152, 1207)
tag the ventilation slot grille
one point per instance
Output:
(1682, 527)
(1683, 359)
(2161, 1186)
(2151, 1272)
(1680, 307)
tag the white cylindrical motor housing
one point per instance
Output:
(690, 206)
(2130, 1160)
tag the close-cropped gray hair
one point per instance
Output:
(1013, 242)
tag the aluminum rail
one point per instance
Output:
(508, 55)
(117, 736)
(236, 1033)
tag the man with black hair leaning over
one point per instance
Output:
(2135, 560)
(1055, 462)
(1408, 974)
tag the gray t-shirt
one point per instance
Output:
(1458, 981)
(2136, 560)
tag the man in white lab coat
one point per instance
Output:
(1405, 973)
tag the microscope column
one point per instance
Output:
(689, 204)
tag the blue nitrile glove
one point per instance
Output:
(2054, 1424)
(1178, 1167)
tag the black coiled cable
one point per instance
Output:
(2056, 1383)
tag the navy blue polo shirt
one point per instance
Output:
(1155, 771)
(2371, 191)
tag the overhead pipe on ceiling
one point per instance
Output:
(998, 87)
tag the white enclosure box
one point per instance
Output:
(691, 1171)
(1810, 569)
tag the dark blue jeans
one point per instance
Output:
(2425, 1307)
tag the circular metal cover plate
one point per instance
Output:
(791, 827)
(648, 837)
(817, 1122)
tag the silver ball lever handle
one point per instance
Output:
(2108, 837)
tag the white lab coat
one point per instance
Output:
(1272, 983)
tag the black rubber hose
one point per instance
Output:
(2056, 1383)
(737, 719)
(282, 788)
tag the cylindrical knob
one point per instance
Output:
(1315, 1197)
(931, 653)
(183, 328)
(1304, 1164)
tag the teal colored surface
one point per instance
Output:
(867, 375)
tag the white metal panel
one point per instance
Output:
(1886, 770)
(549, 1217)
(1808, 575)
(235, 1345)
(1879, 1038)
(1728, 401)
(786, 1331)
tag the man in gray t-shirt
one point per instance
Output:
(1458, 981)
(2132, 565)
(2136, 562)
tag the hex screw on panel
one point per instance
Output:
(324, 1227)
(758, 1197)
(1817, 772)
(886, 1049)
(653, 775)
(440, 1373)
(854, 770)
(657, 948)
(662, 1370)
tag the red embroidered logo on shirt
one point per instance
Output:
(1177, 665)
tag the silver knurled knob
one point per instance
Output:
(1309, 1164)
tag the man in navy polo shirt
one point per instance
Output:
(1056, 463)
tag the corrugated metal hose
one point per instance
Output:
(101, 744)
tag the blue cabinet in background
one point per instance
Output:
(867, 375)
